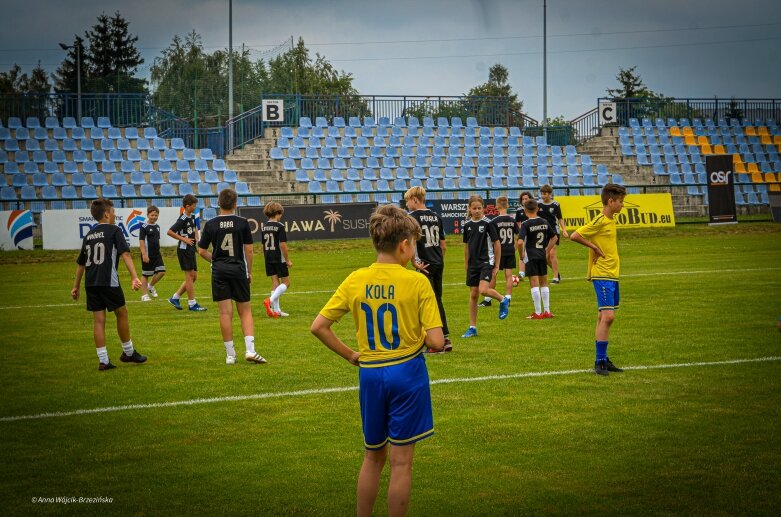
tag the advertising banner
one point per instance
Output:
(640, 210)
(65, 229)
(304, 222)
(721, 189)
(16, 230)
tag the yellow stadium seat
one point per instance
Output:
(687, 131)
(702, 140)
(675, 131)
(777, 139)
(689, 140)
(752, 168)
(719, 149)
(766, 140)
(736, 158)
(750, 131)
(774, 187)
(706, 149)
(763, 130)
(756, 177)
(770, 177)
(739, 167)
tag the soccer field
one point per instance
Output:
(522, 427)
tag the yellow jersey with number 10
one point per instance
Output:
(392, 308)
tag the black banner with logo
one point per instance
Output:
(721, 189)
(305, 222)
(455, 212)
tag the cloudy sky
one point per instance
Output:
(693, 48)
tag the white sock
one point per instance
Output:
(521, 274)
(102, 355)
(545, 298)
(191, 302)
(175, 296)
(249, 343)
(276, 293)
(536, 298)
(128, 348)
(508, 296)
(229, 350)
(487, 299)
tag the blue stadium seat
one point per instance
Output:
(175, 177)
(103, 122)
(204, 189)
(69, 192)
(185, 189)
(33, 122)
(114, 133)
(128, 190)
(167, 190)
(147, 190)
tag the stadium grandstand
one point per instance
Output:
(52, 163)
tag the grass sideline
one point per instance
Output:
(687, 440)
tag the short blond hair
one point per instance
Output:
(389, 225)
(272, 209)
(416, 192)
(502, 202)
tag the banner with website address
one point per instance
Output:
(65, 229)
(640, 210)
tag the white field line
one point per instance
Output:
(320, 391)
(79, 304)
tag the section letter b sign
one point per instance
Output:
(607, 112)
(273, 111)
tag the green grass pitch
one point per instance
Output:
(701, 437)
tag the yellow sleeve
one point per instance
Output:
(592, 227)
(428, 308)
(339, 304)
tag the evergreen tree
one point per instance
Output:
(11, 82)
(498, 86)
(632, 86)
(39, 81)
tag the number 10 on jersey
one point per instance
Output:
(382, 311)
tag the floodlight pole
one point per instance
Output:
(63, 46)
(545, 68)
(230, 59)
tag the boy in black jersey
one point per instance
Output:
(185, 230)
(231, 258)
(100, 252)
(535, 239)
(277, 260)
(520, 216)
(152, 266)
(481, 261)
(507, 230)
(550, 210)
(430, 250)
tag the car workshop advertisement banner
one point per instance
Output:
(16, 230)
(721, 189)
(65, 229)
(304, 222)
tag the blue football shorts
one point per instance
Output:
(396, 404)
(607, 294)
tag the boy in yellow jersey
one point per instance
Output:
(396, 316)
(603, 267)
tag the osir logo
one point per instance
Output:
(720, 178)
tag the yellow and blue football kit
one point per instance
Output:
(603, 271)
(392, 308)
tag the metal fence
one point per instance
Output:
(691, 108)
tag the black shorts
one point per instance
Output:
(536, 267)
(277, 268)
(476, 274)
(155, 265)
(236, 289)
(101, 298)
(507, 262)
(558, 239)
(187, 260)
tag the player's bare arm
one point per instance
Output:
(248, 257)
(205, 255)
(283, 249)
(497, 254)
(135, 282)
(321, 328)
(563, 227)
(435, 338)
(576, 237)
(178, 237)
(144, 256)
(77, 282)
